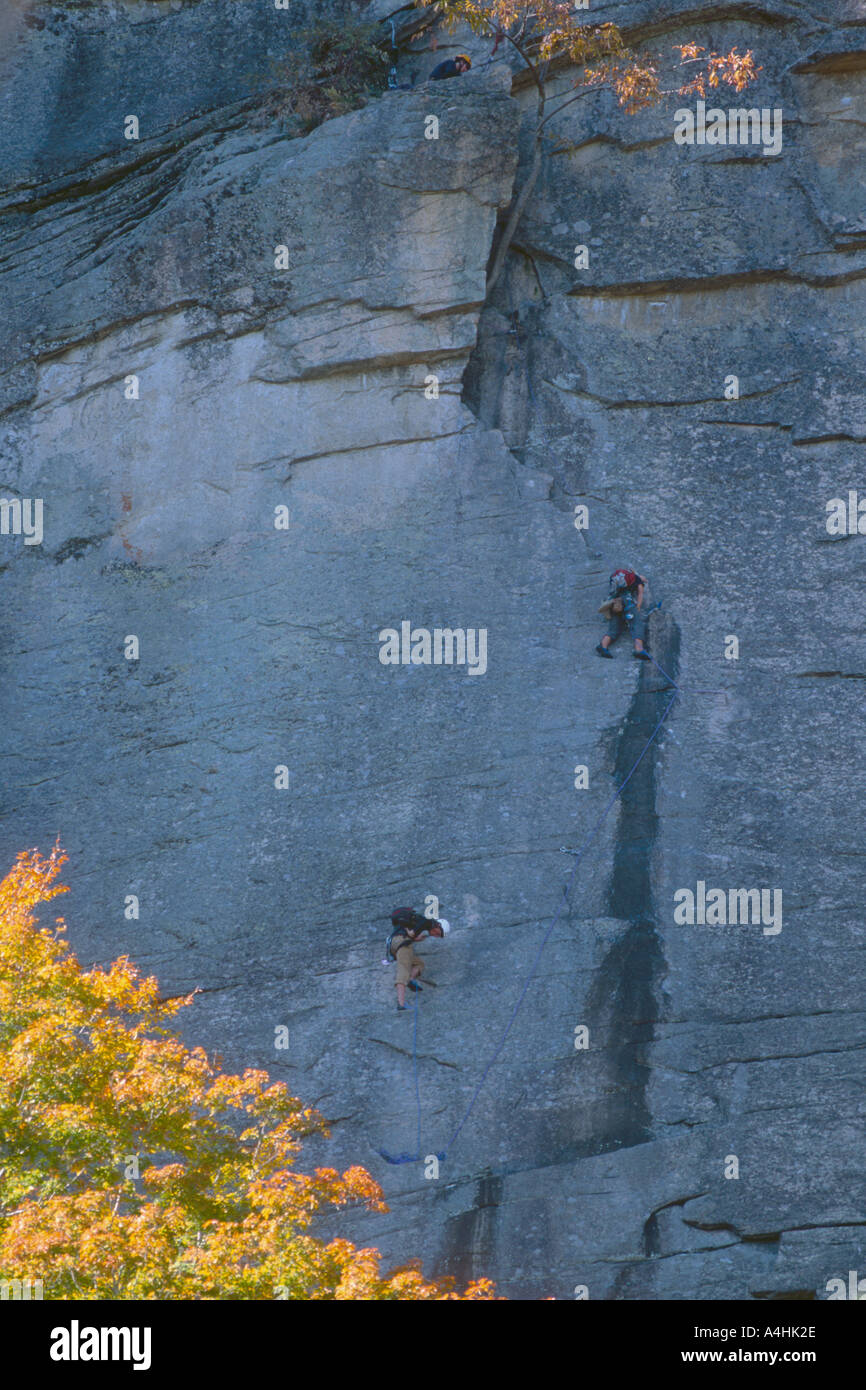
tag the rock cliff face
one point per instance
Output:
(255, 470)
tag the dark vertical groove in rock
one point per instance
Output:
(470, 1237)
(625, 994)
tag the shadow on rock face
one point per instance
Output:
(470, 1237)
(625, 994)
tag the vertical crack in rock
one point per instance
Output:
(625, 993)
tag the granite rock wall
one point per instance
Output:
(256, 468)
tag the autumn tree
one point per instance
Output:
(545, 37)
(134, 1167)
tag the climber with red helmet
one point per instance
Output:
(623, 612)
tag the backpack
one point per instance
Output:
(404, 920)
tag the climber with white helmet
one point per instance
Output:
(410, 926)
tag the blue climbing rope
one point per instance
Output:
(404, 1157)
(415, 1065)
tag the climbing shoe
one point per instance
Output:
(415, 987)
(603, 651)
(642, 656)
(401, 1008)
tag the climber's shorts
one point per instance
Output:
(406, 959)
(618, 625)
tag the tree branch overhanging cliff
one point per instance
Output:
(545, 33)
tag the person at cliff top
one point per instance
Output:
(451, 67)
(410, 926)
(622, 611)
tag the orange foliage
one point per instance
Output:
(91, 1077)
(547, 31)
